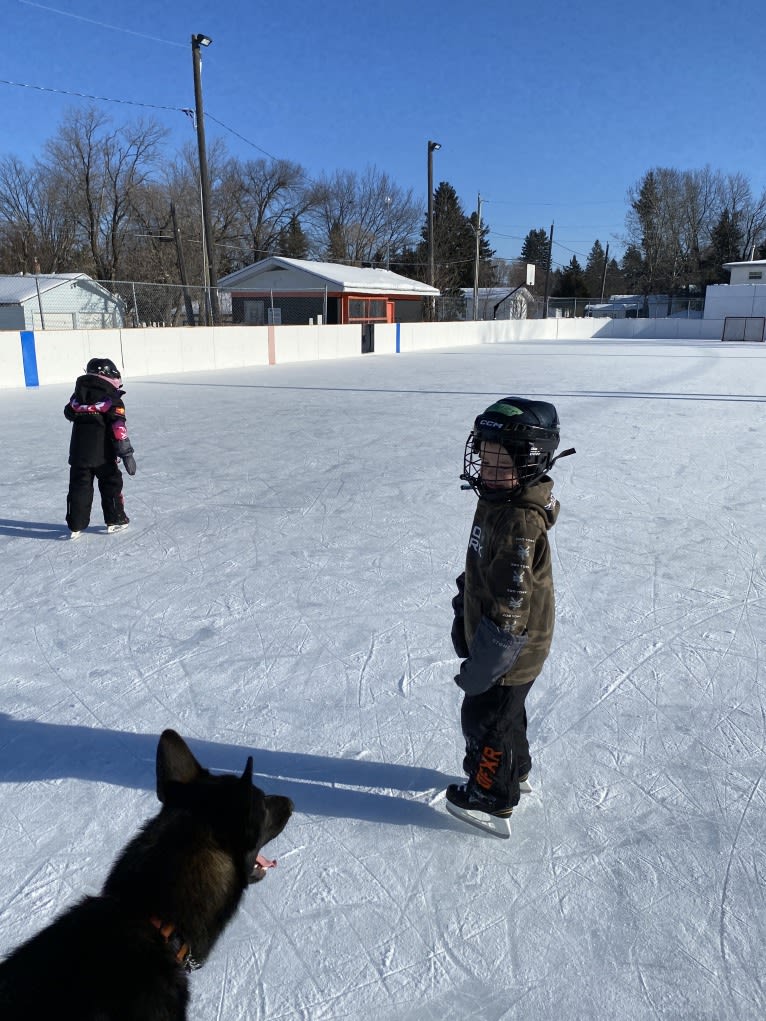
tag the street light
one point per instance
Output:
(432, 146)
(211, 275)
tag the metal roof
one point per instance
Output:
(16, 289)
(285, 275)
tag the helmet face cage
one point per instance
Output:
(529, 450)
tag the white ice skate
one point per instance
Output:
(74, 535)
(525, 787)
(117, 528)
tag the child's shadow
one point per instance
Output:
(33, 529)
(318, 785)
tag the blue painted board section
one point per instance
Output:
(398, 328)
(29, 358)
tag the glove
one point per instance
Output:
(130, 463)
(493, 653)
(459, 643)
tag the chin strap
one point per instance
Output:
(564, 453)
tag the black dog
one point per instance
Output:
(124, 956)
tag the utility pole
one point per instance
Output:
(388, 231)
(548, 272)
(476, 262)
(182, 266)
(212, 273)
(432, 146)
(603, 275)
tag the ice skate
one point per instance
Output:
(479, 810)
(74, 535)
(121, 521)
(525, 787)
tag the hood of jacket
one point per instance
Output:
(539, 497)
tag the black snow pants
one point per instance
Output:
(494, 726)
(80, 496)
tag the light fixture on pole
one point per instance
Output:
(432, 146)
(212, 274)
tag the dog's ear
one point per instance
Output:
(175, 763)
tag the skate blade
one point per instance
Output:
(482, 820)
(115, 528)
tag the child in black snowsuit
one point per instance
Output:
(99, 436)
(504, 609)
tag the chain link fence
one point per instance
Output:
(109, 304)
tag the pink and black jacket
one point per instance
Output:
(99, 430)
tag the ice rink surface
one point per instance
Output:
(284, 591)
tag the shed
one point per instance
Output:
(744, 298)
(298, 291)
(58, 301)
(753, 272)
(498, 302)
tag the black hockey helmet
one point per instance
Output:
(527, 430)
(103, 367)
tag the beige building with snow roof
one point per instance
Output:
(299, 291)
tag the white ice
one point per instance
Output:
(284, 591)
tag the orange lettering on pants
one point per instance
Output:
(490, 760)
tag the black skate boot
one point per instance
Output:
(115, 517)
(467, 802)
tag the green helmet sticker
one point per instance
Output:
(504, 409)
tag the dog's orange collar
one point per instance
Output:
(175, 941)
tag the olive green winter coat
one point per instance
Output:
(508, 575)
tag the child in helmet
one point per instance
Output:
(504, 608)
(99, 436)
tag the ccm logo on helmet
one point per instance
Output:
(490, 423)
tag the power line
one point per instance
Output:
(85, 95)
(101, 24)
(134, 102)
(242, 137)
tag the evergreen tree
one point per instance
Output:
(336, 247)
(594, 270)
(633, 270)
(725, 246)
(454, 245)
(536, 249)
(292, 241)
(570, 282)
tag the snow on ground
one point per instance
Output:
(284, 590)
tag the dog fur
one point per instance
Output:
(125, 955)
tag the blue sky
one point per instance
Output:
(549, 111)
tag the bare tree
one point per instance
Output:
(105, 171)
(747, 212)
(37, 233)
(362, 219)
(270, 194)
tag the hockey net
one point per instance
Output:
(744, 328)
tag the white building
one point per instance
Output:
(58, 301)
(498, 303)
(742, 302)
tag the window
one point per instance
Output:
(253, 311)
(755, 274)
(367, 310)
